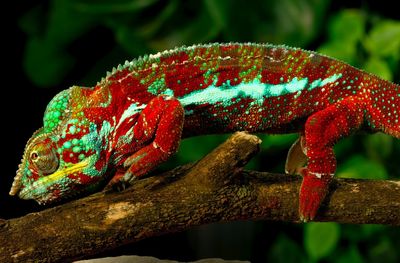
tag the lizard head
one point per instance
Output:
(62, 159)
(40, 160)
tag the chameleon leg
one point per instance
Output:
(159, 127)
(322, 130)
(296, 158)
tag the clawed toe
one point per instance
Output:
(312, 193)
(120, 186)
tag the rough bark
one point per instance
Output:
(212, 190)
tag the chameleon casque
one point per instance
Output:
(135, 117)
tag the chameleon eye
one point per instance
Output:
(34, 156)
(44, 159)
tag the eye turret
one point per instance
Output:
(44, 159)
(40, 158)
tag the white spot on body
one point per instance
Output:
(319, 175)
(126, 138)
(224, 58)
(133, 109)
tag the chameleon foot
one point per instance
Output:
(129, 178)
(120, 181)
(121, 184)
(313, 191)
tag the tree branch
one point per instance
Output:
(212, 190)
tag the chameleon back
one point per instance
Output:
(253, 87)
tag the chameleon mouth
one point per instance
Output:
(38, 190)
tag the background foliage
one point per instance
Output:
(65, 42)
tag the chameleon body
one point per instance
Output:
(135, 117)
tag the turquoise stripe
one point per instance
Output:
(255, 90)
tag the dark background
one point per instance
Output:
(51, 45)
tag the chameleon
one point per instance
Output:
(134, 118)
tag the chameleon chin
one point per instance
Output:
(135, 117)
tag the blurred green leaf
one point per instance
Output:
(362, 232)
(351, 233)
(347, 19)
(200, 29)
(339, 50)
(285, 250)
(383, 251)
(296, 19)
(342, 43)
(44, 63)
(379, 67)
(320, 239)
(115, 6)
(151, 28)
(345, 146)
(281, 141)
(31, 22)
(193, 149)
(65, 24)
(218, 10)
(369, 231)
(351, 255)
(130, 41)
(357, 166)
(379, 146)
(384, 39)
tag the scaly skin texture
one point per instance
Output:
(134, 119)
